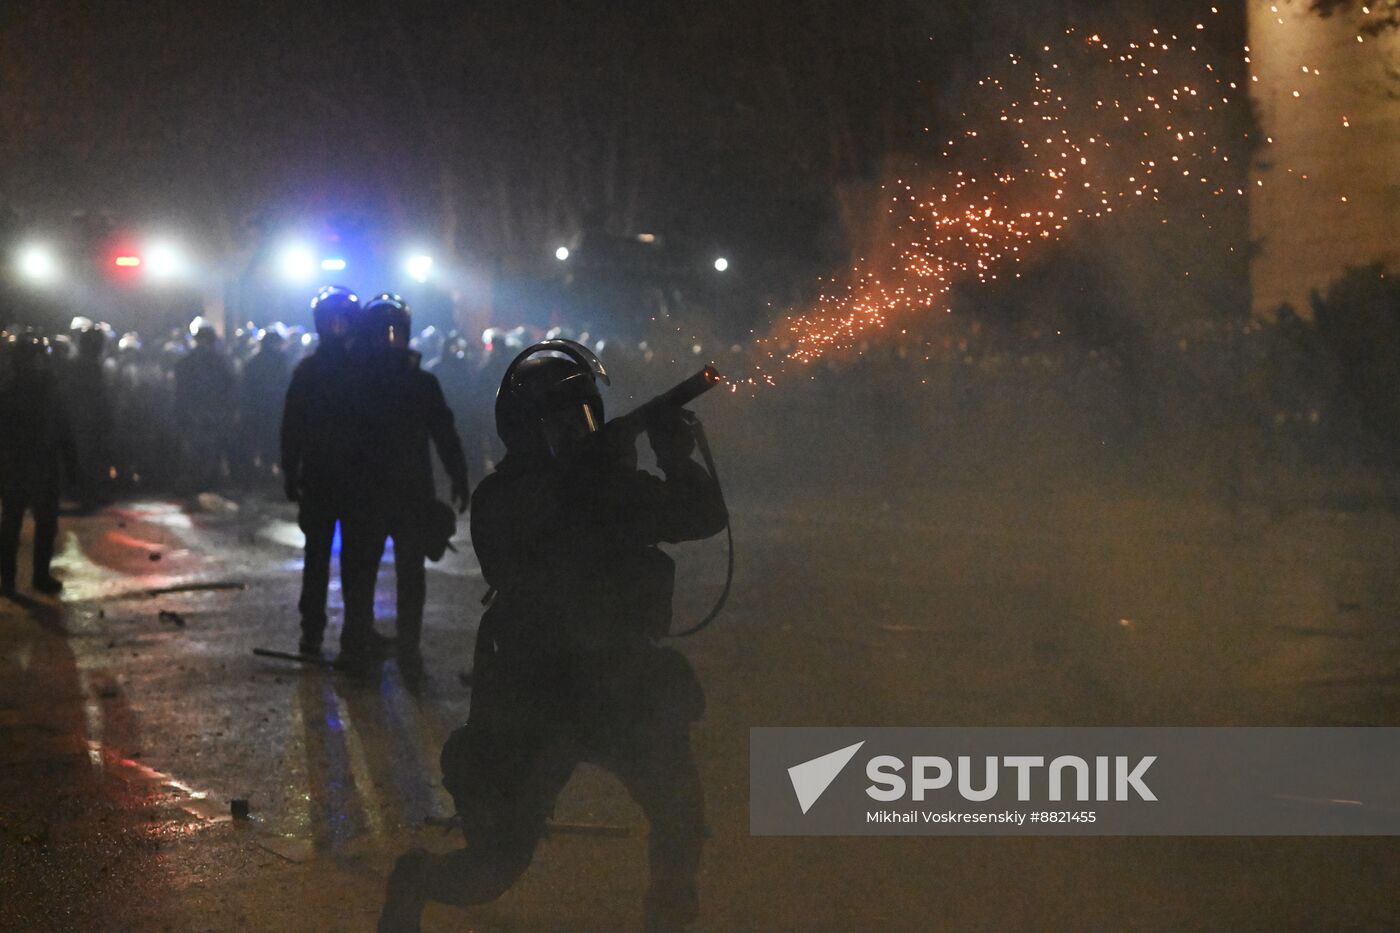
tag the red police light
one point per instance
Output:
(127, 262)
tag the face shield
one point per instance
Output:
(397, 335)
(563, 428)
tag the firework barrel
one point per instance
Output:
(678, 396)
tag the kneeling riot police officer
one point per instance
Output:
(398, 412)
(568, 668)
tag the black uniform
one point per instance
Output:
(397, 412)
(317, 463)
(204, 407)
(568, 668)
(261, 391)
(36, 447)
(90, 410)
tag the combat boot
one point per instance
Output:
(404, 896)
(671, 909)
(47, 585)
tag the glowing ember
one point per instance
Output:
(1039, 162)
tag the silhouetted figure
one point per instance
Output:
(204, 408)
(36, 448)
(454, 372)
(568, 668)
(398, 410)
(90, 412)
(141, 411)
(262, 392)
(318, 451)
(458, 371)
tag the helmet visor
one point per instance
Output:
(565, 428)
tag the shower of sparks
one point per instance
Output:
(1085, 131)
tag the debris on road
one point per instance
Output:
(216, 504)
(289, 656)
(195, 588)
(292, 849)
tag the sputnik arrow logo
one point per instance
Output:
(811, 778)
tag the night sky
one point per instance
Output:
(511, 121)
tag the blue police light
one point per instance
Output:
(333, 265)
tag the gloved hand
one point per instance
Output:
(672, 435)
(461, 498)
(289, 485)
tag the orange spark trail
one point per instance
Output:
(1088, 130)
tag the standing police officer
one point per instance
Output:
(398, 411)
(317, 455)
(90, 411)
(263, 388)
(204, 406)
(568, 668)
(36, 448)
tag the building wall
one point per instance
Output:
(1342, 132)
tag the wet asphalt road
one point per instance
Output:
(133, 712)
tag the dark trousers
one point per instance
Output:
(505, 787)
(318, 524)
(12, 508)
(362, 547)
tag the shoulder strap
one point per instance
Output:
(704, 445)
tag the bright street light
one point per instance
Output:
(163, 261)
(561, 253)
(418, 267)
(721, 264)
(37, 264)
(297, 263)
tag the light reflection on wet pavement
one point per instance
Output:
(139, 691)
(124, 736)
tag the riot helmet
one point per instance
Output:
(273, 338)
(204, 333)
(92, 340)
(336, 312)
(388, 322)
(548, 403)
(28, 351)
